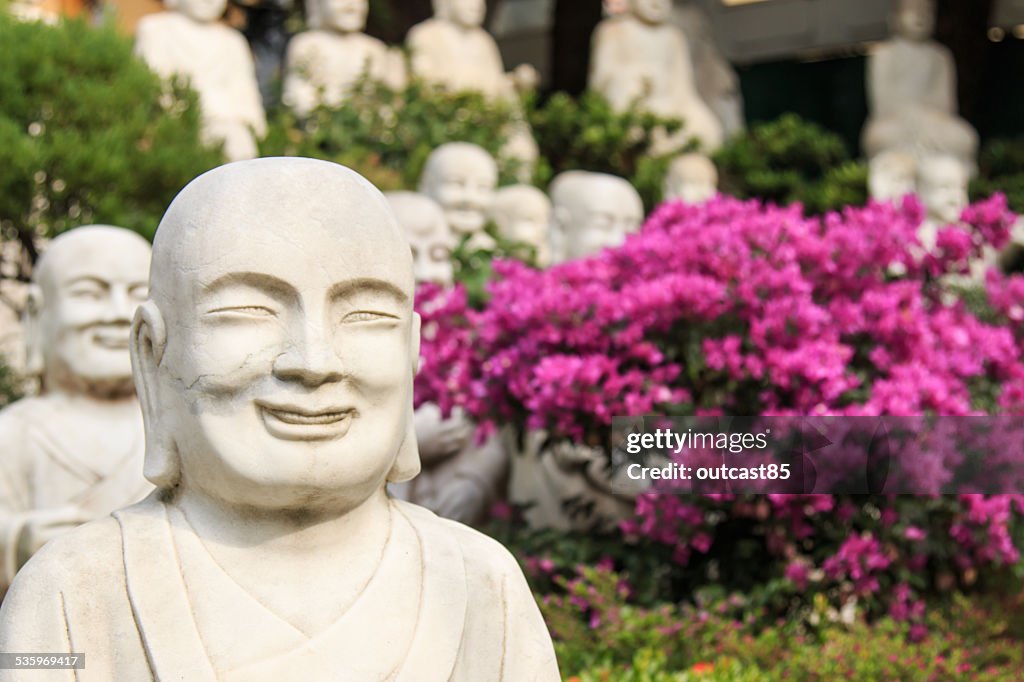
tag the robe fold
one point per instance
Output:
(43, 466)
(143, 599)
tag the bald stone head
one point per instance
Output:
(85, 290)
(276, 355)
(430, 238)
(942, 182)
(892, 174)
(522, 213)
(691, 178)
(461, 177)
(593, 211)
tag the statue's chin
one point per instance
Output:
(100, 387)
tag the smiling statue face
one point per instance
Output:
(346, 16)
(202, 10)
(291, 341)
(90, 281)
(462, 178)
(915, 19)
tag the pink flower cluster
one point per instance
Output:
(734, 307)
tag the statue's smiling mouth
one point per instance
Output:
(113, 339)
(298, 423)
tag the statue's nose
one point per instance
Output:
(310, 357)
(120, 307)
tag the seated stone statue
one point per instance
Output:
(325, 62)
(453, 50)
(74, 452)
(462, 178)
(522, 213)
(716, 80)
(274, 361)
(639, 58)
(460, 479)
(892, 174)
(591, 212)
(691, 178)
(912, 91)
(188, 40)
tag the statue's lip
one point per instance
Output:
(113, 340)
(299, 415)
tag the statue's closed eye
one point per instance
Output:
(366, 316)
(243, 311)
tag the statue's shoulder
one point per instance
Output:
(427, 30)
(85, 561)
(18, 418)
(482, 554)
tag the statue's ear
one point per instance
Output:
(32, 324)
(414, 343)
(148, 342)
(407, 463)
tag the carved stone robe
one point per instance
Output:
(47, 462)
(144, 600)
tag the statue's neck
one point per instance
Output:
(287, 535)
(113, 391)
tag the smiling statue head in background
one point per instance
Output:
(275, 357)
(85, 289)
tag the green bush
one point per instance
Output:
(601, 635)
(790, 160)
(1001, 169)
(387, 134)
(87, 132)
(587, 134)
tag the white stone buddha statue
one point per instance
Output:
(74, 452)
(716, 80)
(691, 178)
(911, 84)
(188, 40)
(522, 214)
(274, 361)
(591, 212)
(892, 174)
(453, 50)
(640, 58)
(462, 178)
(460, 478)
(324, 62)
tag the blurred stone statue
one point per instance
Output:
(189, 40)
(892, 174)
(591, 212)
(942, 185)
(522, 214)
(462, 178)
(74, 452)
(460, 478)
(274, 362)
(716, 80)
(453, 50)
(691, 178)
(639, 58)
(325, 62)
(911, 84)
